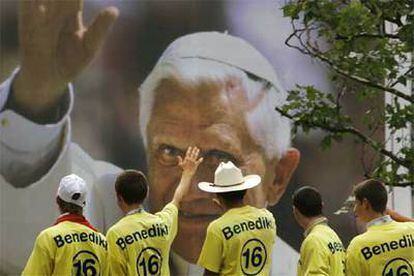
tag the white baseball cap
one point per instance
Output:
(72, 189)
(229, 178)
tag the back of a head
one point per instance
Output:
(231, 198)
(132, 186)
(375, 192)
(308, 201)
(71, 194)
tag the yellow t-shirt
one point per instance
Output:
(240, 242)
(322, 253)
(68, 248)
(386, 249)
(139, 244)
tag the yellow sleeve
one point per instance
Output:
(312, 258)
(354, 263)
(169, 214)
(116, 260)
(40, 261)
(211, 255)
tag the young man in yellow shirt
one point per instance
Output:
(321, 252)
(240, 241)
(72, 246)
(139, 244)
(387, 247)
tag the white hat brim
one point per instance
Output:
(249, 182)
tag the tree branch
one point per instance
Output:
(357, 133)
(406, 73)
(309, 50)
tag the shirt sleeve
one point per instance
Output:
(116, 260)
(211, 255)
(353, 265)
(312, 259)
(40, 261)
(169, 215)
(29, 150)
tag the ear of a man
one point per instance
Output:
(284, 170)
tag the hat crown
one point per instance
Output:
(72, 189)
(227, 174)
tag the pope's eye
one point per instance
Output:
(167, 154)
(214, 157)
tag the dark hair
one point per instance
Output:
(67, 207)
(308, 201)
(232, 197)
(374, 191)
(132, 186)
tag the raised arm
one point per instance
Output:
(55, 46)
(189, 165)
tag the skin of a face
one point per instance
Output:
(361, 211)
(208, 115)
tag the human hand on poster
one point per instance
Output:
(55, 46)
(189, 166)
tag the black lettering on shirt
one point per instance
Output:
(156, 230)
(405, 241)
(248, 225)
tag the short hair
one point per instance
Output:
(375, 192)
(267, 127)
(308, 201)
(67, 207)
(132, 186)
(232, 197)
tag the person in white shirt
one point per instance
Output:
(209, 89)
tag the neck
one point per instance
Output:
(374, 215)
(234, 205)
(131, 207)
(307, 222)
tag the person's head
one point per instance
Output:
(131, 189)
(307, 205)
(229, 199)
(217, 92)
(71, 194)
(230, 186)
(370, 199)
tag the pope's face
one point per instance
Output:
(211, 117)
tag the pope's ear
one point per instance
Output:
(284, 170)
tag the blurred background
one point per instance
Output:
(105, 115)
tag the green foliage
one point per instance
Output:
(367, 58)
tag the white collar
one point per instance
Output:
(135, 211)
(379, 221)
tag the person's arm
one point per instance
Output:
(353, 264)
(397, 216)
(189, 165)
(116, 261)
(40, 261)
(312, 259)
(211, 256)
(55, 46)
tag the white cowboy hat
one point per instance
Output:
(229, 178)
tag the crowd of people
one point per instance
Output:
(239, 242)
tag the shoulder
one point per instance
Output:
(409, 225)
(357, 241)
(117, 227)
(215, 225)
(312, 240)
